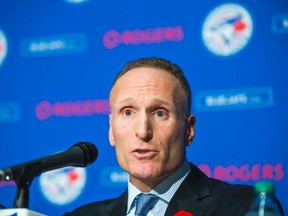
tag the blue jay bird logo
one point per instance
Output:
(227, 29)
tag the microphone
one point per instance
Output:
(80, 155)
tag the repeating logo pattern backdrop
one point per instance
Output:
(58, 61)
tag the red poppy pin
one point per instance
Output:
(183, 213)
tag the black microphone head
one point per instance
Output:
(90, 152)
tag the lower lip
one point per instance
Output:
(144, 155)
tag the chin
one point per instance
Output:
(146, 172)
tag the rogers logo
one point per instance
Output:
(245, 172)
(7, 183)
(45, 109)
(113, 38)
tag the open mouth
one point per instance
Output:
(144, 153)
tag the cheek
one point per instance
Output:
(171, 133)
(121, 154)
(121, 138)
(120, 129)
(174, 139)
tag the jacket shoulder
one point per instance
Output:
(235, 192)
(220, 198)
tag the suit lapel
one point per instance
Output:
(189, 195)
(187, 198)
(118, 206)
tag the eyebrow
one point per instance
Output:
(125, 100)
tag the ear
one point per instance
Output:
(190, 133)
(111, 134)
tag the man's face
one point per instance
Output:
(147, 126)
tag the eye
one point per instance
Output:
(161, 113)
(127, 112)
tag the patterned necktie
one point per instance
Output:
(144, 203)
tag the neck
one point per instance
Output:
(146, 185)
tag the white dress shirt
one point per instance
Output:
(165, 191)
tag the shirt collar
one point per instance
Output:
(164, 190)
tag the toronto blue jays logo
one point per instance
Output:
(3, 47)
(227, 29)
(63, 186)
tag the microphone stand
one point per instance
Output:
(23, 184)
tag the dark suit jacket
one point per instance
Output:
(198, 195)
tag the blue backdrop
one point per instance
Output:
(58, 60)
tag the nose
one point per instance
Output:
(144, 128)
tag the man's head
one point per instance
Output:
(150, 124)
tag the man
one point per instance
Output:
(150, 128)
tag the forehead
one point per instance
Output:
(146, 78)
(146, 84)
